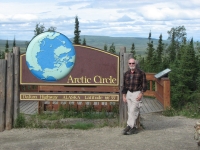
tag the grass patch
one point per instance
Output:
(169, 111)
(20, 121)
(82, 126)
(48, 116)
(190, 110)
(85, 118)
(87, 112)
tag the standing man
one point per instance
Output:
(135, 85)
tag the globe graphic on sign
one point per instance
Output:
(50, 56)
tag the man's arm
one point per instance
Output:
(144, 83)
(124, 90)
(144, 87)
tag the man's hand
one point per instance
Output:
(139, 97)
(124, 98)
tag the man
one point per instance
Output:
(135, 85)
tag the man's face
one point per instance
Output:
(131, 64)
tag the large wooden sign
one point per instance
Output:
(93, 67)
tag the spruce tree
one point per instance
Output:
(77, 39)
(84, 42)
(178, 88)
(176, 36)
(159, 54)
(6, 47)
(133, 51)
(112, 49)
(150, 49)
(172, 49)
(141, 62)
(14, 42)
(183, 77)
(149, 62)
(187, 71)
(193, 61)
(197, 48)
(105, 47)
(160, 49)
(2, 55)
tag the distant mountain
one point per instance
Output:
(99, 42)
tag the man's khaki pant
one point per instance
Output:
(133, 108)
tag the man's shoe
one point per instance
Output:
(126, 130)
(132, 131)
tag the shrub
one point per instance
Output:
(20, 121)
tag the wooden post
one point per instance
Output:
(2, 93)
(9, 91)
(16, 51)
(121, 103)
(166, 92)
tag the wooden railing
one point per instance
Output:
(158, 88)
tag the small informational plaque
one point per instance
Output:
(162, 73)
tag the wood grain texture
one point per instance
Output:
(2, 93)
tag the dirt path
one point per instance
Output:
(160, 133)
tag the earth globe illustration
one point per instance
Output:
(50, 56)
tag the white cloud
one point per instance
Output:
(24, 17)
(124, 18)
(100, 17)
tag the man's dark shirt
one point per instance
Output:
(135, 81)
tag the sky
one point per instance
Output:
(115, 18)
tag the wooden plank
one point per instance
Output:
(40, 107)
(108, 106)
(29, 107)
(16, 51)
(2, 93)
(150, 76)
(150, 85)
(25, 88)
(143, 108)
(158, 104)
(9, 91)
(145, 104)
(149, 93)
(153, 105)
(79, 88)
(166, 93)
(59, 104)
(75, 105)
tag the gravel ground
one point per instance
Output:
(159, 133)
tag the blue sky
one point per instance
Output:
(116, 18)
